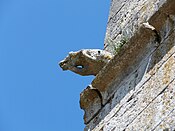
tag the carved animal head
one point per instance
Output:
(86, 62)
(67, 63)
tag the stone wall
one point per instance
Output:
(126, 17)
(136, 89)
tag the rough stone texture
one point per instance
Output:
(136, 89)
(125, 18)
(86, 62)
(123, 64)
(90, 102)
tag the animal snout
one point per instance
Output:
(63, 65)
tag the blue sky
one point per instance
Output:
(35, 94)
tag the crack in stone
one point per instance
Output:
(150, 102)
(139, 90)
(150, 76)
(112, 17)
(163, 119)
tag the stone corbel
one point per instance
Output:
(90, 102)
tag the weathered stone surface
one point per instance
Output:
(125, 62)
(142, 42)
(86, 62)
(126, 17)
(137, 85)
(158, 109)
(168, 123)
(90, 102)
(123, 108)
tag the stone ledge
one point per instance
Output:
(124, 100)
(124, 63)
(126, 17)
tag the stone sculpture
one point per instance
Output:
(86, 61)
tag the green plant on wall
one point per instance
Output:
(117, 45)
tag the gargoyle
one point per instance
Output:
(86, 62)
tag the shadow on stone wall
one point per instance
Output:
(130, 71)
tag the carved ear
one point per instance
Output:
(88, 54)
